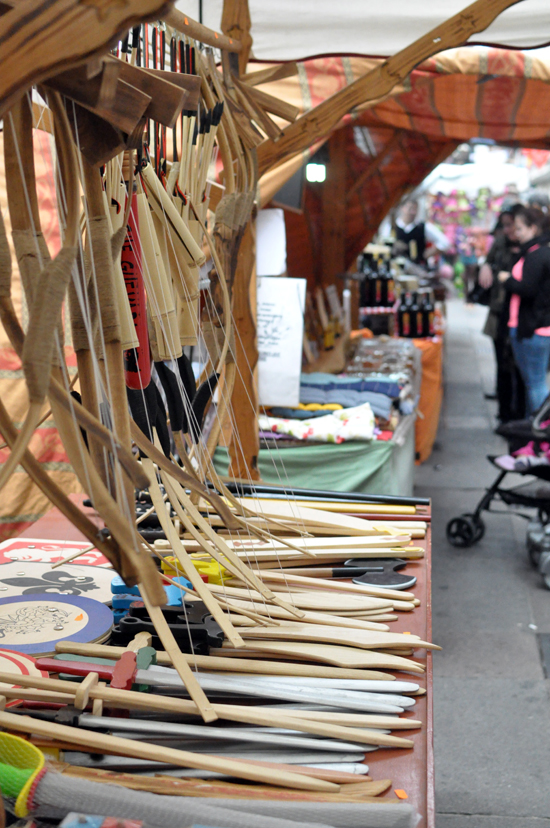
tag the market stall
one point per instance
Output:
(168, 631)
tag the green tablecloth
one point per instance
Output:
(375, 468)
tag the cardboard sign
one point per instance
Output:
(280, 327)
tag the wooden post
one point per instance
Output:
(245, 444)
(236, 24)
(333, 259)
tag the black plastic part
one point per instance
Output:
(192, 626)
(169, 382)
(143, 404)
(243, 489)
(198, 406)
(161, 423)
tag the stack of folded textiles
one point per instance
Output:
(365, 403)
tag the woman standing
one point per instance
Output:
(502, 256)
(529, 317)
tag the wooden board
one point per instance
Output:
(309, 600)
(338, 656)
(273, 611)
(33, 624)
(231, 665)
(303, 517)
(367, 639)
(320, 544)
(50, 551)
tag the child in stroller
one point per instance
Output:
(529, 443)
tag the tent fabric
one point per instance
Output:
(374, 467)
(21, 502)
(286, 30)
(431, 396)
(496, 94)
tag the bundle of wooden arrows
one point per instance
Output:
(259, 689)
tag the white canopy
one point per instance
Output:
(297, 29)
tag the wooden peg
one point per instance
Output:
(142, 639)
(97, 704)
(82, 695)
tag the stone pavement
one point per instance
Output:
(491, 696)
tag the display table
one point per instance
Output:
(377, 467)
(411, 771)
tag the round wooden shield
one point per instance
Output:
(33, 624)
(50, 551)
(32, 578)
(24, 665)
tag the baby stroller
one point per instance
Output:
(467, 529)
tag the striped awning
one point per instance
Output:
(465, 93)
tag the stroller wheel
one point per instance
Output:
(478, 524)
(464, 530)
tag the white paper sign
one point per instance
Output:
(270, 243)
(280, 327)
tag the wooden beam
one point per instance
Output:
(245, 444)
(375, 164)
(272, 104)
(379, 81)
(334, 210)
(39, 38)
(273, 73)
(197, 31)
(236, 25)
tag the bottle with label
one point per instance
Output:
(387, 285)
(404, 315)
(378, 282)
(416, 316)
(390, 288)
(368, 285)
(428, 316)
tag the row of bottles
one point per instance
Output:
(377, 287)
(416, 317)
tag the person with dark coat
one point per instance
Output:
(529, 315)
(504, 253)
(412, 236)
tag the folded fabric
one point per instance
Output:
(390, 386)
(380, 403)
(299, 413)
(347, 424)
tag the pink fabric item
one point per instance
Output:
(517, 273)
(529, 450)
(515, 300)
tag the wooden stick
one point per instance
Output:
(223, 554)
(184, 671)
(366, 639)
(180, 758)
(320, 583)
(242, 665)
(184, 24)
(184, 559)
(171, 785)
(231, 712)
